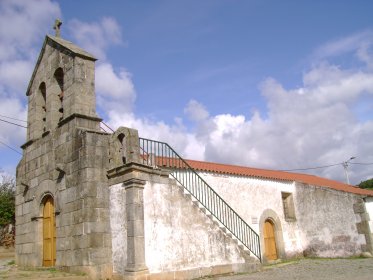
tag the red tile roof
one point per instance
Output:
(277, 175)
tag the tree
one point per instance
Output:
(7, 199)
(368, 184)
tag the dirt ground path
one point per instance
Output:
(312, 269)
(305, 269)
(9, 271)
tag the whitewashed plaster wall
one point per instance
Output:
(327, 222)
(250, 197)
(179, 236)
(369, 208)
(118, 227)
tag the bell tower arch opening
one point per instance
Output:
(59, 77)
(40, 111)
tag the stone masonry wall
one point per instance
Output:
(65, 157)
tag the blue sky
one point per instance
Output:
(268, 84)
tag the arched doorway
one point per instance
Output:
(270, 248)
(49, 233)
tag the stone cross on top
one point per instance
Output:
(57, 27)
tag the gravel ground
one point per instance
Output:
(305, 269)
(331, 269)
(9, 271)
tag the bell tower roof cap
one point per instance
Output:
(65, 46)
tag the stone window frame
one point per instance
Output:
(288, 206)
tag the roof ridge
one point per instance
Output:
(277, 175)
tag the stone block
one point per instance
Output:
(99, 256)
(134, 212)
(25, 238)
(363, 227)
(221, 269)
(135, 228)
(96, 227)
(27, 248)
(64, 244)
(165, 276)
(80, 257)
(77, 229)
(359, 208)
(187, 274)
(77, 216)
(136, 251)
(72, 206)
(93, 202)
(88, 189)
(91, 214)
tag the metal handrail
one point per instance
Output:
(160, 154)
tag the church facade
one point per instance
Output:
(118, 206)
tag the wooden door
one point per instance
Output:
(269, 241)
(49, 233)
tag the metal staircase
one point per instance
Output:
(160, 154)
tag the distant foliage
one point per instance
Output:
(368, 184)
(7, 199)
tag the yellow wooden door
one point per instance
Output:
(269, 241)
(49, 233)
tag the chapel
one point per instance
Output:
(115, 205)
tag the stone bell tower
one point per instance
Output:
(62, 199)
(61, 87)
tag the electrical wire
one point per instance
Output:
(13, 118)
(10, 147)
(361, 163)
(311, 168)
(13, 123)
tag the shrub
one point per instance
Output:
(7, 200)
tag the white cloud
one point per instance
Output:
(96, 37)
(366, 55)
(344, 45)
(176, 135)
(23, 25)
(314, 125)
(14, 75)
(196, 111)
(311, 126)
(114, 90)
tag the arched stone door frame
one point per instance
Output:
(271, 215)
